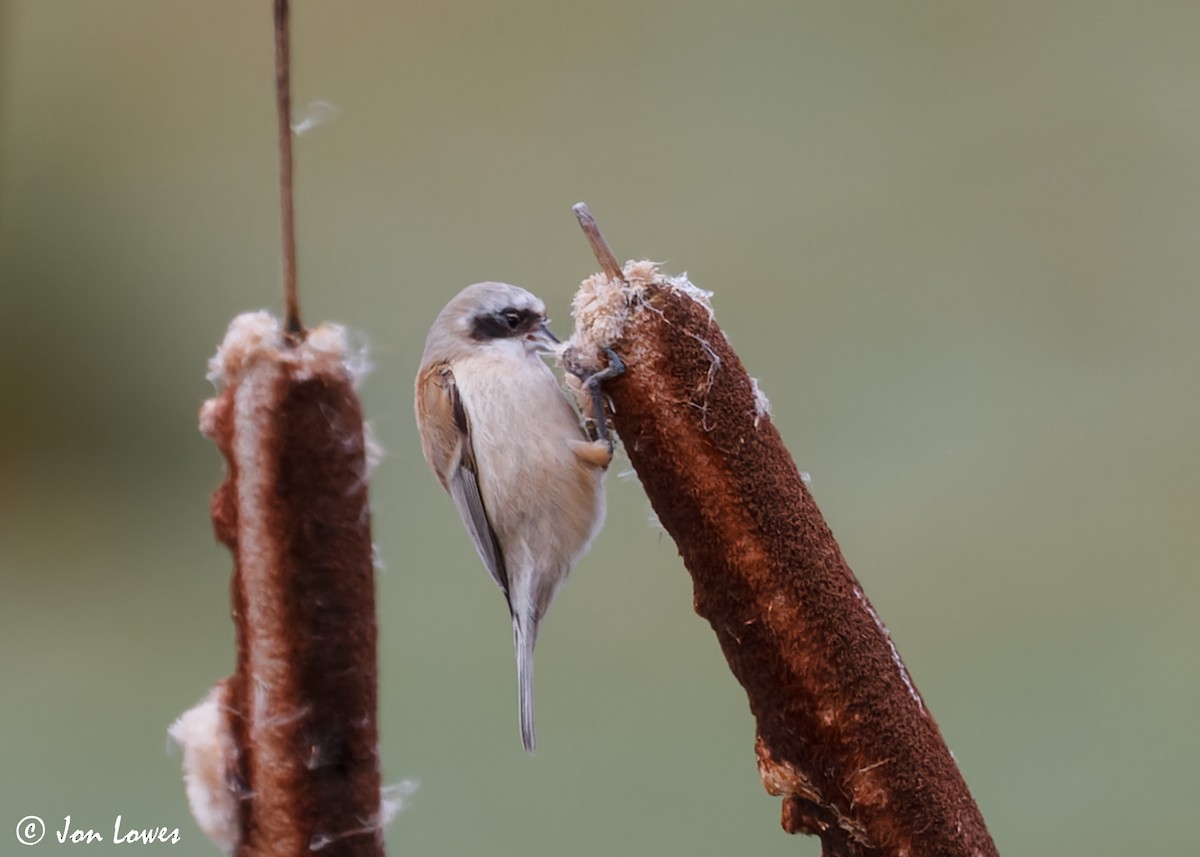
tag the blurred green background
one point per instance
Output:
(957, 244)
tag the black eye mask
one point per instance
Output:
(506, 323)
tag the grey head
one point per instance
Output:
(491, 313)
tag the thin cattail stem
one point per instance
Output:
(287, 215)
(591, 230)
(843, 734)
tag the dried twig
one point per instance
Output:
(843, 734)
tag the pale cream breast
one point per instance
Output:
(536, 489)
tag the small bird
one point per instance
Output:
(510, 449)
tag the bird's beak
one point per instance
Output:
(544, 339)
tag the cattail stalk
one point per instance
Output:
(287, 206)
(843, 734)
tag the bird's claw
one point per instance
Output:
(591, 382)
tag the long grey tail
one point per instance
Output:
(524, 638)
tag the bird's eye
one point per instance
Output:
(512, 319)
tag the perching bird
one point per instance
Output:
(503, 440)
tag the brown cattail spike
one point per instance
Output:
(843, 735)
(289, 741)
